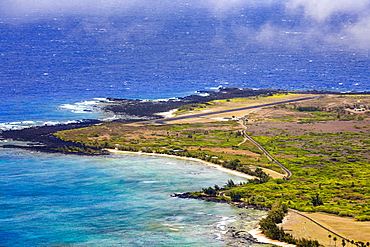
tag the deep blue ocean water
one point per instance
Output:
(57, 59)
(50, 58)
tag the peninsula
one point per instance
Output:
(308, 151)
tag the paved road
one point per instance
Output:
(288, 172)
(161, 121)
(269, 156)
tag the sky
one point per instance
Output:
(343, 24)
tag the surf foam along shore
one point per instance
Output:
(42, 138)
(122, 110)
(85, 106)
(130, 110)
(110, 110)
(81, 112)
(29, 124)
(125, 110)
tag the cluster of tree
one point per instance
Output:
(269, 228)
(236, 134)
(353, 242)
(79, 150)
(129, 148)
(357, 243)
(263, 176)
(210, 191)
(233, 164)
(317, 200)
(236, 196)
(230, 184)
(238, 166)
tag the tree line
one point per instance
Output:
(270, 229)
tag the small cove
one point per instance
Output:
(117, 200)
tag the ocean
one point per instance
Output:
(119, 200)
(59, 59)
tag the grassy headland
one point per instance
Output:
(324, 142)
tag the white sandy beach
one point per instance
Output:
(236, 173)
(257, 234)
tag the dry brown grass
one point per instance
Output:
(261, 119)
(232, 151)
(349, 228)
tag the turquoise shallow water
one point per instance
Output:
(120, 200)
(58, 58)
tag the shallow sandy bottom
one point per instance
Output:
(295, 224)
(236, 173)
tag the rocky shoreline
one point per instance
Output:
(187, 195)
(42, 138)
(235, 236)
(129, 110)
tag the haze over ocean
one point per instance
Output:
(54, 55)
(61, 53)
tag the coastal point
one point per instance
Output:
(284, 143)
(196, 123)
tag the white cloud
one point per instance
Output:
(320, 10)
(310, 19)
(351, 30)
(267, 34)
(359, 34)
